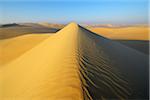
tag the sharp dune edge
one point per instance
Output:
(44, 71)
(74, 64)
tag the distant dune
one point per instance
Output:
(50, 25)
(125, 33)
(13, 30)
(9, 25)
(73, 64)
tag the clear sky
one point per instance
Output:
(80, 11)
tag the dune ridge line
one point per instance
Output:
(69, 65)
(51, 65)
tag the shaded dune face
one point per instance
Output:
(108, 70)
(76, 64)
(101, 78)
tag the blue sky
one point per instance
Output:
(86, 11)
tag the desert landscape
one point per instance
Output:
(87, 64)
(74, 50)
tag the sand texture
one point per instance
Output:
(73, 64)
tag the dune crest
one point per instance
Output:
(75, 64)
(46, 70)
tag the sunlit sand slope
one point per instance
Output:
(49, 71)
(76, 64)
(14, 47)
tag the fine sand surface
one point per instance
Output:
(48, 71)
(74, 64)
(14, 47)
(124, 33)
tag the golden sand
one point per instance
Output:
(14, 47)
(128, 33)
(46, 72)
(73, 64)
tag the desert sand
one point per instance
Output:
(73, 64)
(46, 70)
(124, 33)
(50, 25)
(14, 47)
(14, 30)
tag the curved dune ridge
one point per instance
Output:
(75, 64)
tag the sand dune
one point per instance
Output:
(127, 33)
(14, 47)
(45, 71)
(50, 25)
(9, 25)
(136, 37)
(112, 67)
(22, 29)
(141, 46)
(75, 64)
